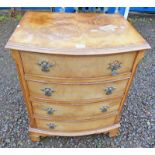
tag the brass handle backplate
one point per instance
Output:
(51, 126)
(48, 91)
(109, 90)
(45, 65)
(50, 111)
(114, 66)
(104, 108)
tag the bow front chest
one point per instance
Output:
(75, 70)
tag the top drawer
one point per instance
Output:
(66, 66)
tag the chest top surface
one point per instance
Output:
(75, 34)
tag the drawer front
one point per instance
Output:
(73, 92)
(77, 66)
(68, 111)
(82, 125)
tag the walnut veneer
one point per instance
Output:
(75, 70)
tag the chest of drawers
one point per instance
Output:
(75, 70)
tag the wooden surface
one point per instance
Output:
(64, 92)
(76, 66)
(35, 133)
(74, 126)
(75, 34)
(72, 111)
(50, 79)
(19, 67)
(114, 132)
(80, 47)
(139, 57)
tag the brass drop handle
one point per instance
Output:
(51, 126)
(50, 111)
(104, 108)
(109, 90)
(114, 66)
(45, 65)
(48, 91)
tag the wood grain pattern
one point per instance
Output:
(68, 80)
(76, 102)
(37, 133)
(57, 111)
(139, 56)
(75, 34)
(17, 58)
(73, 92)
(73, 126)
(114, 132)
(81, 46)
(77, 66)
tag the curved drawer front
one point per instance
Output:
(73, 92)
(82, 125)
(77, 66)
(68, 111)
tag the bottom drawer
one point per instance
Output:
(73, 126)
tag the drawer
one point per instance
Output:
(72, 126)
(74, 92)
(66, 66)
(72, 111)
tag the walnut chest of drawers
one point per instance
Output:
(75, 70)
